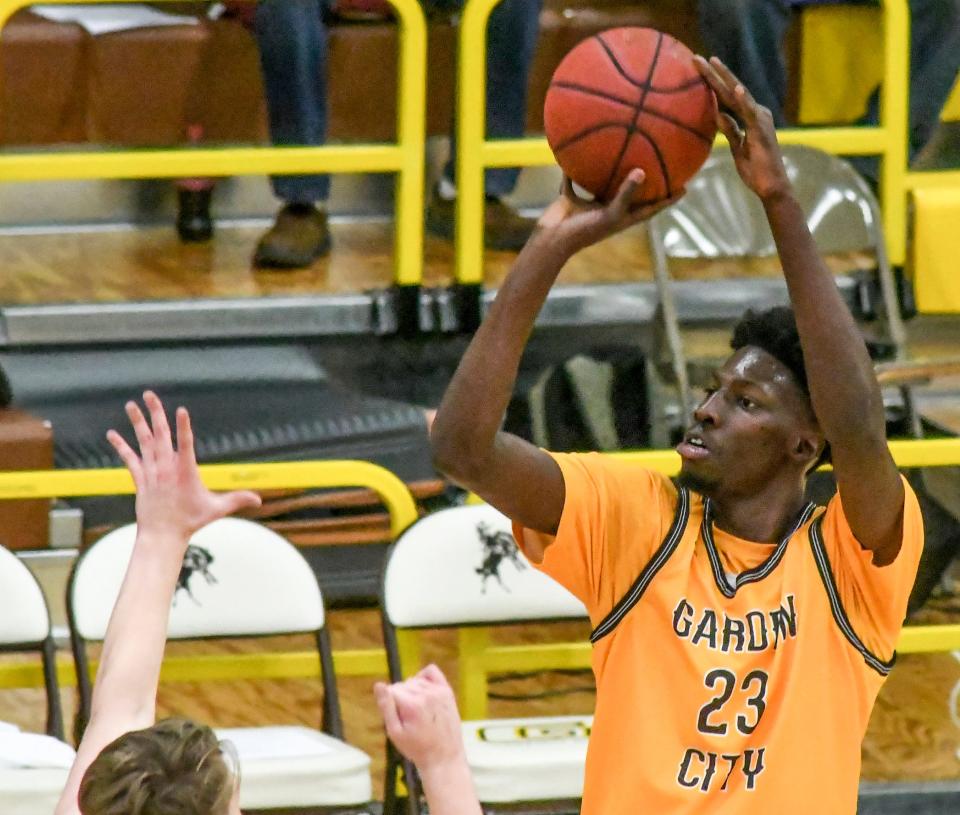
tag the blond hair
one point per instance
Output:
(176, 767)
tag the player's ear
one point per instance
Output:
(806, 446)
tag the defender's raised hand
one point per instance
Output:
(171, 498)
(580, 222)
(749, 128)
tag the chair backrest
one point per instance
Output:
(719, 217)
(24, 618)
(461, 566)
(238, 579)
(25, 627)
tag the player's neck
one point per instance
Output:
(764, 517)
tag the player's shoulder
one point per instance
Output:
(618, 473)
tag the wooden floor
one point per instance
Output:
(152, 264)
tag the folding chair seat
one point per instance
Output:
(460, 567)
(535, 759)
(239, 579)
(33, 767)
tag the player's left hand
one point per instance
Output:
(749, 129)
(171, 498)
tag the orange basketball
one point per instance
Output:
(626, 98)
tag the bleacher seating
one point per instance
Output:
(144, 87)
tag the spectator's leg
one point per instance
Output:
(748, 36)
(511, 41)
(934, 62)
(292, 37)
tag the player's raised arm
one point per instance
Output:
(421, 719)
(516, 477)
(172, 504)
(843, 388)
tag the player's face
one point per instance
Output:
(754, 426)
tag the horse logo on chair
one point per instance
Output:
(195, 559)
(498, 546)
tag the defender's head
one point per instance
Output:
(756, 425)
(176, 767)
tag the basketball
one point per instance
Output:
(626, 98)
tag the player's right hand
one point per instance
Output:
(171, 498)
(577, 222)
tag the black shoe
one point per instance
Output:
(298, 237)
(194, 224)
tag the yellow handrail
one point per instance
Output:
(288, 475)
(888, 139)
(479, 657)
(405, 158)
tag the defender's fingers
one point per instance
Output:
(130, 459)
(433, 675)
(235, 501)
(185, 438)
(158, 422)
(142, 431)
(388, 709)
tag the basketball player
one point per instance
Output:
(126, 763)
(740, 634)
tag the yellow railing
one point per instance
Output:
(405, 158)
(292, 475)
(476, 153)
(479, 658)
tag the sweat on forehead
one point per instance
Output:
(775, 332)
(758, 366)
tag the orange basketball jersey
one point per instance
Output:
(732, 676)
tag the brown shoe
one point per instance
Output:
(298, 237)
(504, 227)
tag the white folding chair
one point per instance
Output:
(33, 767)
(460, 567)
(239, 579)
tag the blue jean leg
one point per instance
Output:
(511, 42)
(748, 36)
(292, 39)
(934, 63)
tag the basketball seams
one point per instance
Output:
(656, 114)
(573, 86)
(633, 125)
(589, 132)
(664, 170)
(623, 71)
(570, 86)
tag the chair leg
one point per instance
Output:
(667, 312)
